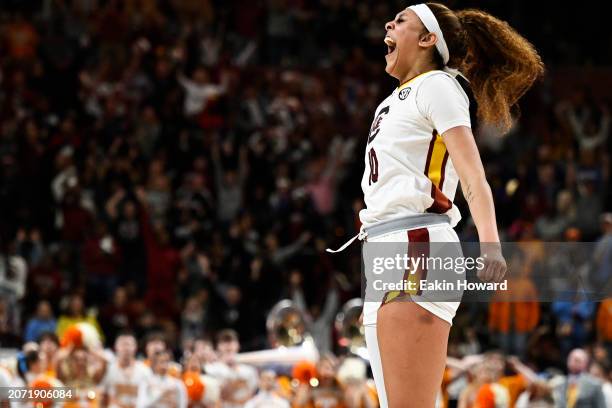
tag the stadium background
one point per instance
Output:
(179, 166)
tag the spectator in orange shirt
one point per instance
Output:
(514, 313)
(604, 324)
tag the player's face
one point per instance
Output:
(267, 380)
(125, 346)
(48, 346)
(192, 363)
(402, 41)
(227, 350)
(204, 351)
(154, 346)
(80, 359)
(326, 370)
(160, 364)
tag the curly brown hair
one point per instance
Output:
(500, 64)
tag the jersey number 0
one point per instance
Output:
(373, 166)
(372, 153)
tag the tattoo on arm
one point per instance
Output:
(468, 193)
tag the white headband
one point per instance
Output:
(431, 24)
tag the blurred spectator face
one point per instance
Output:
(230, 178)
(600, 353)
(227, 147)
(79, 360)
(156, 168)
(227, 350)
(170, 331)
(588, 157)
(577, 361)
(267, 380)
(326, 369)
(31, 131)
(160, 362)
(161, 234)
(271, 242)
(48, 344)
(192, 363)
(154, 346)
(67, 126)
(148, 114)
(497, 363)
(203, 349)
(162, 68)
(315, 311)
(129, 210)
(544, 152)
(200, 76)
(120, 296)
(125, 347)
(546, 173)
(606, 223)
(197, 182)
(564, 201)
(234, 295)
(44, 311)
(76, 306)
(597, 371)
(147, 320)
(193, 305)
(484, 373)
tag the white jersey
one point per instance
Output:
(242, 379)
(407, 167)
(265, 399)
(162, 392)
(121, 384)
(212, 390)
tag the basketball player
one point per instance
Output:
(238, 381)
(125, 374)
(161, 390)
(419, 147)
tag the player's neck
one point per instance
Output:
(417, 69)
(125, 363)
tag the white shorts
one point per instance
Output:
(440, 233)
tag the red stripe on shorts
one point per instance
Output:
(419, 235)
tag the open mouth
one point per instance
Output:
(390, 42)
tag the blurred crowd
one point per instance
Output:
(170, 170)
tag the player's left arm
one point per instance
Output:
(463, 152)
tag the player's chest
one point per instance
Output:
(397, 120)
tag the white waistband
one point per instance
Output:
(402, 223)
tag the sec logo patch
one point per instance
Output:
(404, 93)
